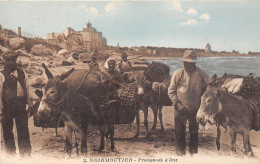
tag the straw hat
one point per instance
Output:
(190, 56)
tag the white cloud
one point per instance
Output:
(177, 5)
(93, 10)
(189, 22)
(205, 17)
(192, 11)
(110, 7)
(83, 6)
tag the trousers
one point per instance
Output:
(16, 111)
(180, 119)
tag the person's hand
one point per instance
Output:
(1, 117)
(30, 103)
(179, 106)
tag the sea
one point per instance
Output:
(221, 65)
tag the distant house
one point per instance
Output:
(152, 51)
(87, 39)
(6, 33)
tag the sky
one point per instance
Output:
(227, 25)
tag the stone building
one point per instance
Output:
(87, 39)
(208, 48)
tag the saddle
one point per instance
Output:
(247, 87)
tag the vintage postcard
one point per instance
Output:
(164, 81)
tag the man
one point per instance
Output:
(93, 64)
(125, 67)
(185, 90)
(14, 89)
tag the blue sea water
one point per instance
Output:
(221, 65)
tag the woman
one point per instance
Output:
(114, 75)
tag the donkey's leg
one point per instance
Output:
(155, 113)
(246, 142)
(137, 123)
(160, 117)
(250, 148)
(102, 139)
(145, 109)
(111, 133)
(84, 126)
(56, 131)
(68, 145)
(233, 142)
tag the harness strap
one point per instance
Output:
(218, 136)
(83, 80)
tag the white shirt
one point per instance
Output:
(20, 91)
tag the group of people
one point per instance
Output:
(185, 90)
(115, 71)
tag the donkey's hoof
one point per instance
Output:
(232, 153)
(136, 135)
(153, 128)
(162, 129)
(83, 150)
(101, 148)
(112, 149)
(68, 148)
(249, 154)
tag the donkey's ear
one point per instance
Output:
(66, 74)
(212, 80)
(222, 91)
(47, 71)
(38, 93)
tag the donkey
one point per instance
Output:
(76, 96)
(230, 111)
(147, 98)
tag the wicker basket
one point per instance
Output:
(50, 122)
(122, 108)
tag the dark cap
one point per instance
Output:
(10, 54)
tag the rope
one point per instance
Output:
(82, 81)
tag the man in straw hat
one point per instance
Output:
(185, 90)
(14, 89)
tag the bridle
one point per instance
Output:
(57, 106)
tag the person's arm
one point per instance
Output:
(172, 90)
(27, 84)
(118, 67)
(120, 78)
(130, 65)
(204, 79)
(2, 78)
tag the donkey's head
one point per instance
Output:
(52, 92)
(210, 102)
(142, 83)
